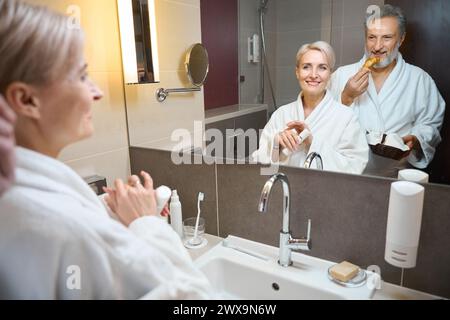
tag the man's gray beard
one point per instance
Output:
(386, 61)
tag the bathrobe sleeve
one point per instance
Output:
(79, 264)
(186, 281)
(337, 83)
(264, 152)
(350, 154)
(429, 115)
(335, 86)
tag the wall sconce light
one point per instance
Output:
(137, 22)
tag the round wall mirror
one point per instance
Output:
(197, 64)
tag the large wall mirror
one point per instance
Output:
(284, 25)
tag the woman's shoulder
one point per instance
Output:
(40, 212)
(285, 108)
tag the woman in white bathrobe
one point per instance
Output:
(7, 119)
(57, 240)
(335, 132)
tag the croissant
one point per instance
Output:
(371, 61)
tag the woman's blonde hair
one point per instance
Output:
(321, 46)
(37, 46)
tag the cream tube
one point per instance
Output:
(301, 137)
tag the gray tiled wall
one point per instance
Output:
(346, 223)
(188, 179)
(348, 213)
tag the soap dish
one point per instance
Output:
(357, 281)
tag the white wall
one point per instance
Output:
(298, 22)
(151, 123)
(348, 29)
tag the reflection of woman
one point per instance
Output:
(335, 132)
(57, 240)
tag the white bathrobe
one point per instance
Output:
(409, 103)
(337, 136)
(52, 224)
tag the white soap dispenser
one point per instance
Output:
(176, 217)
(413, 175)
(404, 222)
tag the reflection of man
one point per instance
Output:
(392, 97)
(7, 119)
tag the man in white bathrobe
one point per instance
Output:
(392, 97)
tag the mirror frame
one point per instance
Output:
(188, 64)
(129, 45)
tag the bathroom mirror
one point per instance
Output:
(197, 64)
(288, 24)
(282, 26)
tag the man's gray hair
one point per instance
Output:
(388, 10)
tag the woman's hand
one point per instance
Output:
(287, 139)
(7, 160)
(299, 126)
(165, 212)
(133, 200)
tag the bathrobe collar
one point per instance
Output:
(396, 75)
(316, 114)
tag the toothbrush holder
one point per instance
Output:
(189, 230)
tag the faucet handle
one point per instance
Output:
(308, 233)
(308, 236)
(302, 243)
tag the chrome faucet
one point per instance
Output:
(287, 243)
(310, 158)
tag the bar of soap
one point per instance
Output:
(344, 271)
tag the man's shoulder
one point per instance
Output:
(349, 68)
(417, 72)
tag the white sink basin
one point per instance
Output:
(239, 275)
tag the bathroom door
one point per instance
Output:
(219, 23)
(427, 46)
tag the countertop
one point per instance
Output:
(212, 242)
(388, 291)
(228, 112)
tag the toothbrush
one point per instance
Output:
(201, 197)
